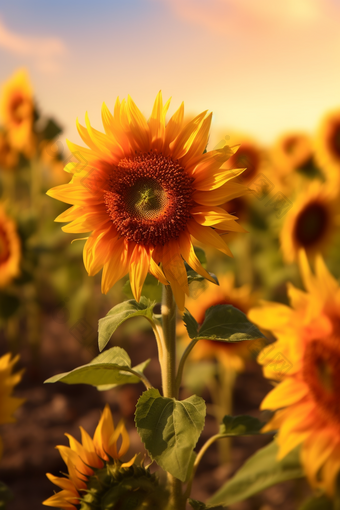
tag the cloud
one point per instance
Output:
(45, 51)
(232, 16)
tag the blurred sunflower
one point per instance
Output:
(249, 155)
(96, 476)
(327, 146)
(145, 188)
(17, 111)
(8, 379)
(293, 152)
(10, 252)
(306, 358)
(8, 155)
(231, 355)
(311, 222)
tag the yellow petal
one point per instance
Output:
(219, 196)
(139, 266)
(207, 236)
(208, 181)
(189, 255)
(284, 394)
(181, 145)
(116, 266)
(173, 127)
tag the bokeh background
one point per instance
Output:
(267, 71)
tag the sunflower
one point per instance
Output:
(231, 355)
(8, 379)
(144, 189)
(327, 146)
(9, 157)
(306, 359)
(311, 222)
(293, 152)
(249, 155)
(85, 458)
(10, 253)
(17, 111)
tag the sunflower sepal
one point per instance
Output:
(119, 314)
(109, 369)
(129, 485)
(223, 323)
(171, 447)
(259, 472)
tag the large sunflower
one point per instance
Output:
(85, 458)
(311, 222)
(144, 189)
(10, 252)
(231, 355)
(17, 111)
(8, 379)
(306, 358)
(328, 146)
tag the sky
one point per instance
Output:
(263, 68)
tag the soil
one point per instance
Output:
(51, 410)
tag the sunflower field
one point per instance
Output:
(169, 308)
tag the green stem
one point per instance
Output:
(198, 460)
(143, 378)
(168, 368)
(182, 363)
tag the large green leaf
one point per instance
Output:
(223, 323)
(110, 368)
(240, 426)
(170, 429)
(120, 313)
(262, 470)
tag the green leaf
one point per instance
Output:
(170, 429)
(110, 368)
(51, 130)
(259, 472)
(317, 503)
(120, 313)
(138, 368)
(222, 323)
(198, 505)
(152, 289)
(240, 426)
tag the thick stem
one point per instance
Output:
(168, 368)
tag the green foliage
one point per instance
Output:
(240, 426)
(51, 130)
(110, 368)
(198, 505)
(170, 429)
(223, 323)
(120, 313)
(5, 496)
(261, 471)
(317, 503)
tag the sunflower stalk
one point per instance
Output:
(168, 369)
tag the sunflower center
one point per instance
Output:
(321, 370)
(4, 246)
(335, 139)
(311, 224)
(148, 198)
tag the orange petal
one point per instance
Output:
(189, 255)
(139, 266)
(207, 236)
(117, 266)
(284, 394)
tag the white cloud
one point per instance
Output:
(44, 51)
